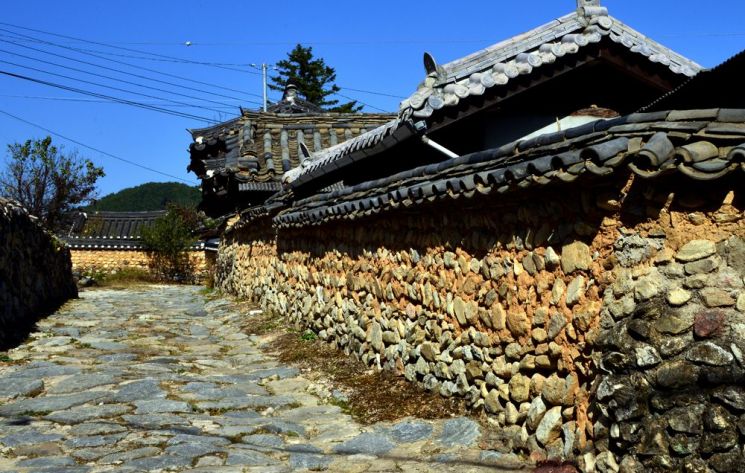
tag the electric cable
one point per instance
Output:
(19, 36)
(97, 84)
(120, 71)
(105, 153)
(158, 89)
(109, 97)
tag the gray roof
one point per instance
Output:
(703, 145)
(498, 64)
(446, 85)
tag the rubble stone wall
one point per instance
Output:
(516, 304)
(108, 261)
(35, 273)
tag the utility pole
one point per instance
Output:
(263, 76)
(264, 68)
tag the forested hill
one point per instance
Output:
(150, 196)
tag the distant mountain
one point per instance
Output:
(150, 196)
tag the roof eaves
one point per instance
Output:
(504, 61)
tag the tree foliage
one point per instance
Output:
(47, 181)
(313, 78)
(149, 196)
(168, 240)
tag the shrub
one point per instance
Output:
(168, 241)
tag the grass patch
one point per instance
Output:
(5, 358)
(35, 413)
(372, 396)
(123, 278)
(367, 402)
(308, 336)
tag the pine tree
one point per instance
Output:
(313, 78)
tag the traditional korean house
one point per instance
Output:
(241, 161)
(111, 241)
(573, 70)
(522, 237)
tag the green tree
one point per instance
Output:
(313, 78)
(47, 181)
(168, 240)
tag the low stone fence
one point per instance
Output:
(592, 323)
(112, 260)
(35, 273)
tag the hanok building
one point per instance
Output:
(111, 241)
(519, 236)
(581, 67)
(241, 161)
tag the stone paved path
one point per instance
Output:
(153, 379)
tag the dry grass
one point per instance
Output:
(372, 396)
(124, 278)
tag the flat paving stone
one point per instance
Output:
(460, 431)
(154, 422)
(157, 379)
(158, 463)
(367, 443)
(20, 387)
(77, 415)
(161, 406)
(28, 437)
(93, 441)
(139, 390)
(46, 462)
(50, 403)
(96, 428)
(410, 431)
(81, 382)
(130, 455)
(46, 370)
(246, 457)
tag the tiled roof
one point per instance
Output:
(111, 230)
(447, 85)
(471, 76)
(717, 87)
(696, 144)
(372, 142)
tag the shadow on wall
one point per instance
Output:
(35, 274)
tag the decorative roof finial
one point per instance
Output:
(591, 8)
(430, 65)
(587, 3)
(290, 92)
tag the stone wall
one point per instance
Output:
(108, 261)
(672, 344)
(35, 273)
(513, 302)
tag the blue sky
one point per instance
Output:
(374, 46)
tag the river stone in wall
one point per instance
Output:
(35, 273)
(674, 400)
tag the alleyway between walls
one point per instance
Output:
(157, 378)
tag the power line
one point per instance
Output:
(121, 72)
(118, 158)
(373, 93)
(360, 101)
(112, 78)
(111, 98)
(98, 84)
(88, 52)
(162, 56)
(20, 36)
(72, 99)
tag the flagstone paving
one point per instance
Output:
(158, 379)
